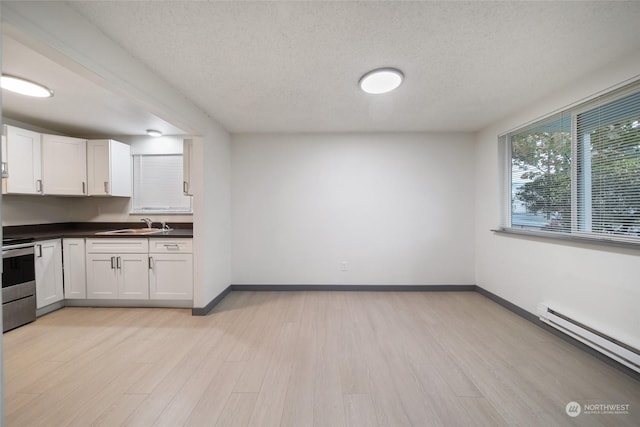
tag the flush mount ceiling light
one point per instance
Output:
(381, 80)
(154, 133)
(24, 87)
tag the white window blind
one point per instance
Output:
(608, 165)
(157, 184)
(578, 172)
(541, 175)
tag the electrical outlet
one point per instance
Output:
(343, 266)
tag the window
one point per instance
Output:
(578, 172)
(157, 184)
(541, 175)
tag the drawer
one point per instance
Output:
(163, 246)
(120, 246)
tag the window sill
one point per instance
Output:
(564, 237)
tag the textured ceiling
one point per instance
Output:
(294, 66)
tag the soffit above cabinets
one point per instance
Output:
(79, 107)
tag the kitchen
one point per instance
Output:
(95, 185)
(110, 115)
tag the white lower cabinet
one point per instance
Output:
(133, 280)
(170, 269)
(117, 269)
(135, 268)
(171, 276)
(117, 276)
(48, 266)
(102, 281)
(75, 271)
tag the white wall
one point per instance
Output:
(398, 208)
(212, 215)
(22, 210)
(597, 285)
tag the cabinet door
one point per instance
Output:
(48, 266)
(187, 156)
(64, 165)
(133, 280)
(5, 170)
(121, 176)
(75, 272)
(171, 276)
(4, 156)
(102, 278)
(98, 172)
(108, 168)
(24, 161)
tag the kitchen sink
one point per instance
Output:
(132, 231)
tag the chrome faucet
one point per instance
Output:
(148, 221)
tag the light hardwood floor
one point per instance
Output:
(305, 359)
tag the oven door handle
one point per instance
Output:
(12, 253)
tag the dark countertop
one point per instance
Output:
(89, 229)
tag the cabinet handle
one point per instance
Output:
(106, 187)
(39, 251)
(118, 259)
(84, 191)
(172, 246)
(38, 185)
(112, 259)
(150, 263)
(185, 187)
(5, 170)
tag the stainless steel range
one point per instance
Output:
(18, 282)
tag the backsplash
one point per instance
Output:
(22, 210)
(27, 210)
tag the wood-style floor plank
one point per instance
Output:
(305, 359)
(215, 398)
(237, 410)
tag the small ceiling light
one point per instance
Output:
(381, 80)
(154, 133)
(24, 87)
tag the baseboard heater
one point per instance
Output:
(611, 347)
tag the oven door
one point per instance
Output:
(18, 287)
(18, 305)
(18, 266)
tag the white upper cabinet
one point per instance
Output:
(5, 172)
(64, 165)
(187, 155)
(4, 155)
(23, 161)
(108, 168)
